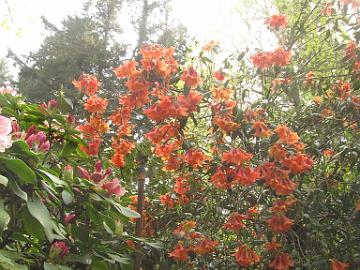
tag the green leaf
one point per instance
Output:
(67, 197)
(4, 217)
(20, 169)
(14, 187)
(69, 148)
(126, 211)
(39, 211)
(7, 261)
(3, 180)
(22, 148)
(55, 180)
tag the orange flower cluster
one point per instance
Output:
(245, 256)
(235, 222)
(195, 242)
(343, 89)
(337, 265)
(351, 50)
(169, 107)
(96, 106)
(236, 156)
(191, 78)
(298, 163)
(282, 261)
(87, 84)
(261, 130)
(277, 58)
(223, 116)
(280, 223)
(277, 21)
(195, 158)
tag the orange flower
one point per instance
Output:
(96, 104)
(273, 245)
(350, 50)
(280, 57)
(118, 160)
(262, 60)
(234, 222)
(337, 265)
(282, 262)
(226, 124)
(190, 101)
(328, 10)
(236, 156)
(344, 89)
(309, 81)
(210, 46)
(195, 158)
(205, 246)
(219, 75)
(277, 21)
(286, 135)
(318, 100)
(221, 93)
(167, 201)
(173, 162)
(261, 130)
(220, 179)
(166, 151)
(282, 185)
(328, 152)
(181, 186)
(245, 256)
(191, 78)
(185, 228)
(127, 69)
(298, 163)
(280, 223)
(87, 84)
(277, 152)
(92, 148)
(246, 176)
(280, 206)
(163, 133)
(179, 253)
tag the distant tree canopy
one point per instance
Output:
(91, 44)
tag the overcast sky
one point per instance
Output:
(220, 20)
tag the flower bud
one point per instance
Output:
(68, 218)
(83, 173)
(58, 250)
(68, 173)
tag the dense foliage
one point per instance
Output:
(253, 163)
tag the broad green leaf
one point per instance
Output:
(126, 211)
(20, 169)
(39, 211)
(14, 187)
(67, 197)
(4, 217)
(56, 180)
(3, 180)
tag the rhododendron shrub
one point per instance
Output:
(190, 169)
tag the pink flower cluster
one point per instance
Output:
(8, 90)
(5, 130)
(37, 140)
(100, 176)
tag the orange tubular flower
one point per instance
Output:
(277, 152)
(181, 186)
(205, 246)
(282, 262)
(226, 124)
(298, 163)
(273, 245)
(261, 130)
(185, 228)
(221, 93)
(337, 265)
(126, 70)
(173, 162)
(118, 160)
(190, 101)
(195, 158)
(179, 253)
(247, 176)
(220, 179)
(286, 135)
(219, 75)
(277, 21)
(234, 222)
(236, 156)
(351, 50)
(167, 201)
(262, 60)
(191, 78)
(282, 185)
(96, 104)
(87, 84)
(92, 149)
(280, 223)
(281, 58)
(245, 256)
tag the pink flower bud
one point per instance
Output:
(58, 250)
(83, 173)
(52, 104)
(107, 172)
(71, 119)
(96, 177)
(44, 147)
(68, 218)
(30, 131)
(98, 166)
(114, 188)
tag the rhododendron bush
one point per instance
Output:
(193, 169)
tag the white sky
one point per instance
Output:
(206, 19)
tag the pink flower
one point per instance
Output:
(58, 250)
(113, 187)
(5, 130)
(8, 90)
(68, 218)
